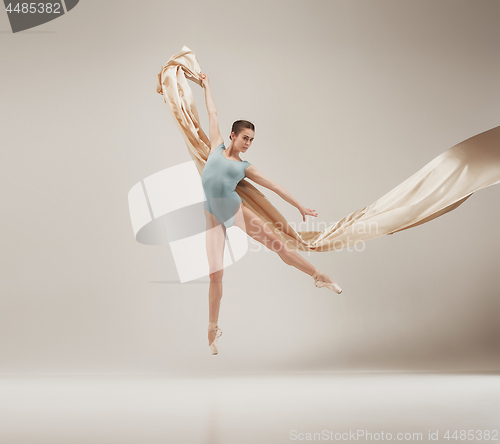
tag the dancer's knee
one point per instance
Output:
(278, 246)
(216, 276)
(286, 255)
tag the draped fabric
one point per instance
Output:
(439, 187)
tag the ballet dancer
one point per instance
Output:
(224, 208)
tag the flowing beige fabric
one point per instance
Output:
(437, 188)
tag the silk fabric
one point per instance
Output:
(439, 187)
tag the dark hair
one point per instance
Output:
(239, 125)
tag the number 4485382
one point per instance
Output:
(470, 435)
(34, 8)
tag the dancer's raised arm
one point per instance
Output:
(213, 133)
(255, 175)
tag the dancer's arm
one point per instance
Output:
(255, 175)
(213, 133)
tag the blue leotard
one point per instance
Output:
(219, 179)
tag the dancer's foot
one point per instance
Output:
(214, 332)
(323, 280)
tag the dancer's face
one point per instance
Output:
(243, 140)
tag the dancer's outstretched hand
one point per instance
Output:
(307, 212)
(204, 80)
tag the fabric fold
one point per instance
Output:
(436, 189)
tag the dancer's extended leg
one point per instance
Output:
(256, 228)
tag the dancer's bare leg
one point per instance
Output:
(215, 242)
(256, 228)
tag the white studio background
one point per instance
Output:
(349, 99)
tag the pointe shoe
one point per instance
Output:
(320, 283)
(213, 345)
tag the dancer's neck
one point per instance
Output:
(230, 151)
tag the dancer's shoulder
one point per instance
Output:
(216, 145)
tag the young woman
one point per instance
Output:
(224, 208)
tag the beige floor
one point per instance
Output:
(247, 408)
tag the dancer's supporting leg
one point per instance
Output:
(215, 242)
